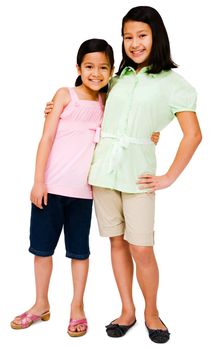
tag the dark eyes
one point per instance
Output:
(140, 36)
(90, 67)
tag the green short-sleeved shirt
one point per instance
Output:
(137, 105)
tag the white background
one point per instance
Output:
(39, 43)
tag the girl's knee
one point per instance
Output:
(42, 259)
(118, 242)
(142, 255)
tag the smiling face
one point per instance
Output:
(95, 70)
(137, 38)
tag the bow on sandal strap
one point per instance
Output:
(158, 335)
(115, 330)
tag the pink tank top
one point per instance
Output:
(72, 151)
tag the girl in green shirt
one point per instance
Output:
(144, 97)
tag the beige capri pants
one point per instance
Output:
(128, 214)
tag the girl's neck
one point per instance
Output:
(142, 65)
(86, 93)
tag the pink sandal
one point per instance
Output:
(74, 323)
(26, 319)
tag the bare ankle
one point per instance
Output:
(78, 305)
(40, 307)
(128, 310)
(41, 302)
(151, 314)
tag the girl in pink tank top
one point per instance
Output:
(71, 154)
(61, 197)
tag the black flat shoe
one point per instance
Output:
(158, 335)
(115, 330)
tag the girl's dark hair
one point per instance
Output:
(94, 45)
(160, 58)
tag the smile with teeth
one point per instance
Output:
(137, 52)
(95, 81)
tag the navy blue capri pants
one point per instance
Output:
(71, 214)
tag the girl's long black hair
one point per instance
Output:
(94, 45)
(160, 58)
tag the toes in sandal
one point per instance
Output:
(115, 330)
(159, 336)
(27, 319)
(75, 323)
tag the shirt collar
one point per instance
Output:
(127, 70)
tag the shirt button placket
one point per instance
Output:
(130, 104)
(123, 125)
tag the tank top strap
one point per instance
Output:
(74, 96)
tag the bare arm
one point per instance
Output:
(191, 138)
(39, 190)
